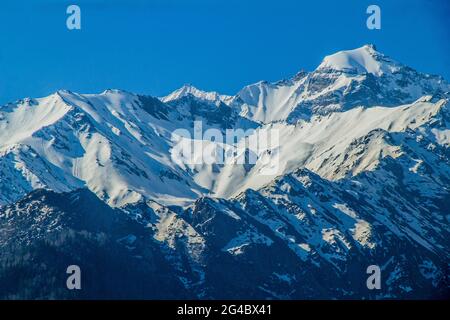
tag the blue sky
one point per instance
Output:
(155, 46)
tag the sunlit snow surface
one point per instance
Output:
(361, 169)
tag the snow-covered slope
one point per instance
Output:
(347, 79)
(120, 145)
(116, 143)
(109, 142)
(188, 89)
(357, 172)
(267, 102)
(332, 146)
(360, 61)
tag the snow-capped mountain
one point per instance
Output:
(344, 80)
(189, 89)
(359, 174)
(116, 143)
(331, 145)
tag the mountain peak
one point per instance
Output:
(116, 91)
(365, 59)
(370, 46)
(189, 89)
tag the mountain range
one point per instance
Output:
(359, 176)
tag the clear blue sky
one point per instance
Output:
(156, 46)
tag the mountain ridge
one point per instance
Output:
(359, 175)
(83, 139)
